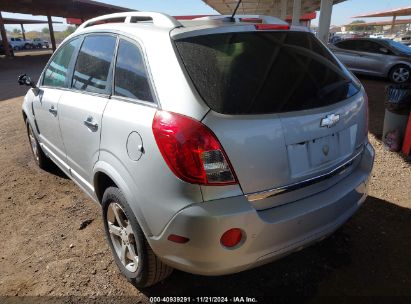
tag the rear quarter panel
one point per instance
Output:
(154, 193)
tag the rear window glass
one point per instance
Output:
(131, 76)
(263, 72)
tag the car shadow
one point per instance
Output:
(55, 170)
(357, 259)
(11, 68)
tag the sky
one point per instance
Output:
(342, 12)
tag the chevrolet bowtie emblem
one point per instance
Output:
(330, 120)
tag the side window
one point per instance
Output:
(93, 63)
(130, 75)
(347, 45)
(56, 73)
(368, 46)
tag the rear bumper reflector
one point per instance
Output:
(252, 197)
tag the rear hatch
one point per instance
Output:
(284, 109)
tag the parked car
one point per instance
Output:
(377, 57)
(2, 49)
(335, 39)
(40, 43)
(20, 43)
(404, 39)
(211, 147)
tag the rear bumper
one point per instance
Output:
(269, 234)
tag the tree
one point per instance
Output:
(45, 30)
(353, 27)
(70, 30)
(16, 31)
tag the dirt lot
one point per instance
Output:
(43, 251)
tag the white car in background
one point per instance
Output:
(404, 39)
(40, 43)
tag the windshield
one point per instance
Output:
(264, 72)
(400, 47)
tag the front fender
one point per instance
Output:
(27, 109)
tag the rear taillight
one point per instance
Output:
(267, 27)
(191, 150)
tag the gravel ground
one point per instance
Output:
(44, 252)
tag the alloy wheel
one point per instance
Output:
(401, 75)
(122, 237)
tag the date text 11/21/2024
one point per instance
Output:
(203, 300)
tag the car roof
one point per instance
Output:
(162, 23)
(366, 39)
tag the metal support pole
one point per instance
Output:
(6, 46)
(325, 20)
(53, 40)
(284, 4)
(296, 12)
(394, 18)
(23, 31)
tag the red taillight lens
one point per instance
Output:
(267, 27)
(191, 150)
(231, 237)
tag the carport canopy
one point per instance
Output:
(280, 8)
(82, 9)
(394, 13)
(403, 11)
(25, 21)
(382, 23)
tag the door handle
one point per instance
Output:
(90, 123)
(53, 110)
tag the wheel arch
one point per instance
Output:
(24, 115)
(104, 176)
(392, 66)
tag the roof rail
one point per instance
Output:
(158, 19)
(237, 18)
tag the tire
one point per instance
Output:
(140, 265)
(27, 46)
(400, 73)
(40, 158)
(16, 48)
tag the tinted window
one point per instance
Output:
(347, 44)
(93, 63)
(369, 46)
(263, 72)
(56, 73)
(131, 75)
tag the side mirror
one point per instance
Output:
(24, 79)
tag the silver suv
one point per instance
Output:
(212, 146)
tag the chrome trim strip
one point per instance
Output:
(305, 183)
